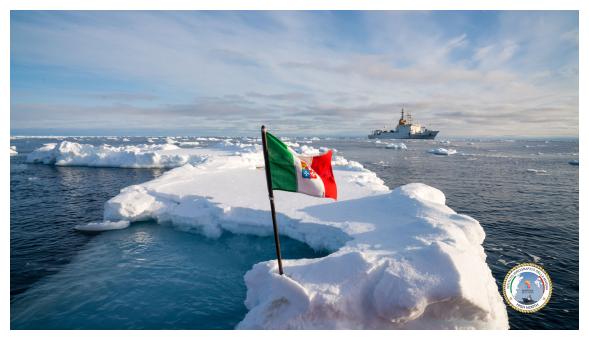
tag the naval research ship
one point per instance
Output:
(406, 129)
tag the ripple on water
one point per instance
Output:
(150, 277)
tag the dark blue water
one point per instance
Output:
(150, 276)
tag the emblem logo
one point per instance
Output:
(527, 288)
(307, 172)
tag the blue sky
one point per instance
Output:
(491, 73)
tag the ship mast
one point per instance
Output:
(402, 121)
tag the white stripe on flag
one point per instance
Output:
(310, 186)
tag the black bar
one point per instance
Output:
(271, 195)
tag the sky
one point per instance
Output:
(465, 73)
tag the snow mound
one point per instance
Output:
(442, 151)
(400, 146)
(127, 156)
(13, 151)
(401, 259)
(103, 226)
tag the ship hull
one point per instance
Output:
(392, 135)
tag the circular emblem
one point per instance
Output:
(527, 288)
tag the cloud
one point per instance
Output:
(121, 96)
(300, 70)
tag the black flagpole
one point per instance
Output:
(271, 195)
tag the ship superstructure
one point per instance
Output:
(406, 129)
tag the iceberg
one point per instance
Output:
(442, 151)
(400, 259)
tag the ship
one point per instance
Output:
(528, 300)
(406, 129)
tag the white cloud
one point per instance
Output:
(291, 67)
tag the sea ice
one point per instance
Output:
(189, 143)
(537, 171)
(103, 226)
(127, 156)
(399, 146)
(400, 259)
(442, 151)
(171, 140)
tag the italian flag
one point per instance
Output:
(311, 175)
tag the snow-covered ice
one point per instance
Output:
(189, 144)
(537, 171)
(103, 226)
(128, 156)
(395, 146)
(442, 151)
(400, 259)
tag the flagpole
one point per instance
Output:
(271, 196)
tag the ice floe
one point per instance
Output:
(395, 146)
(129, 156)
(537, 171)
(400, 259)
(13, 151)
(442, 151)
(189, 143)
(103, 226)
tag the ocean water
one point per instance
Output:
(152, 276)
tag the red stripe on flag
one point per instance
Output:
(322, 166)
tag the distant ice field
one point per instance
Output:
(526, 215)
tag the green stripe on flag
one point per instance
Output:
(282, 169)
